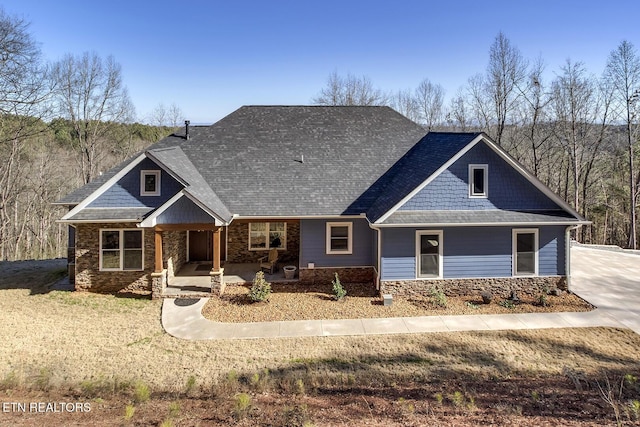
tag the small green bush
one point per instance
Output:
(507, 303)
(339, 291)
(261, 289)
(438, 298)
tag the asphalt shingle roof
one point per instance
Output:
(175, 159)
(494, 216)
(418, 164)
(298, 160)
(111, 214)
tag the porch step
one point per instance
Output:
(186, 294)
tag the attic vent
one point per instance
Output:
(186, 129)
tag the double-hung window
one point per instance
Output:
(150, 183)
(429, 254)
(478, 180)
(525, 252)
(339, 238)
(267, 235)
(121, 249)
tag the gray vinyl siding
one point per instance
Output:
(126, 192)
(507, 188)
(313, 244)
(184, 211)
(470, 252)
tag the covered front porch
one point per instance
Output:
(194, 279)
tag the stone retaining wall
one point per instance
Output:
(500, 287)
(346, 275)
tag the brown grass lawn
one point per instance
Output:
(84, 347)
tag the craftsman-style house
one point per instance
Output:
(362, 191)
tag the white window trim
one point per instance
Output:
(485, 169)
(121, 249)
(514, 248)
(144, 173)
(349, 249)
(284, 246)
(440, 258)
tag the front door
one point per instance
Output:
(200, 246)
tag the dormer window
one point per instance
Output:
(149, 183)
(478, 180)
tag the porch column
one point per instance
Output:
(158, 251)
(216, 249)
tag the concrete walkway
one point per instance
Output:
(610, 280)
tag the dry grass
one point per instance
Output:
(57, 338)
(307, 302)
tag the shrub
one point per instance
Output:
(261, 289)
(507, 303)
(438, 298)
(339, 291)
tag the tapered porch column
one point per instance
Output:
(216, 249)
(158, 251)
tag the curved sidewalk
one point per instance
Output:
(183, 319)
(606, 279)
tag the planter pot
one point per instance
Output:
(289, 271)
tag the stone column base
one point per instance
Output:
(217, 282)
(158, 284)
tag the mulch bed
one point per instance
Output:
(305, 302)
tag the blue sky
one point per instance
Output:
(211, 57)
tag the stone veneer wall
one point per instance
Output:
(500, 287)
(346, 275)
(88, 274)
(174, 251)
(238, 243)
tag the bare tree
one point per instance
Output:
(404, 103)
(430, 100)
(505, 79)
(623, 71)
(23, 92)
(581, 113)
(161, 115)
(457, 116)
(90, 93)
(350, 90)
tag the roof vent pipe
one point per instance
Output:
(186, 129)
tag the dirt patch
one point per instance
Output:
(315, 302)
(550, 401)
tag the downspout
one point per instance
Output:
(379, 253)
(567, 256)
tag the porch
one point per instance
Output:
(193, 280)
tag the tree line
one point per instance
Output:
(61, 124)
(578, 133)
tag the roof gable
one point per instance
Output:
(430, 156)
(507, 188)
(412, 164)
